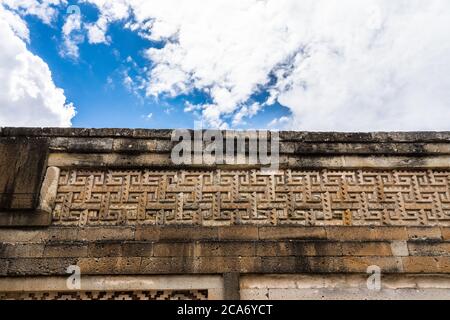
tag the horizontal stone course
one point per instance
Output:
(279, 233)
(230, 233)
(213, 256)
(106, 233)
(318, 137)
(21, 250)
(426, 264)
(39, 266)
(66, 250)
(159, 145)
(420, 234)
(366, 233)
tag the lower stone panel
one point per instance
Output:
(113, 295)
(344, 287)
(248, 287)
(119, 287)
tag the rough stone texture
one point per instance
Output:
(106, 287)
(253, 197)
(29, 252)
(339, 287)
(49, 190)
(118, 208)
(25, 218)
(22, 162)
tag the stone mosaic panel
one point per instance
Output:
(223, 197)
(110, 295)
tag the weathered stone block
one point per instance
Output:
(65, 250)
(280, 233)
(211, 265)
(367, 233)
(102, 249)
(134, 145)
(425, 248)
(173, 249)
(58, 234)
(238, 233)
(352, 264)
(231, 286)
(188, 233)
(22, 162)
(366, 249)
(21, 250)
(105, 233)
(424, 233)
(445, 233)
(282, 265)
(166, 265)
(328, 264)
(23, 235)
(25, 219)
(147, 233)
(137, 249)
(399, 248)
(298, 248)
(110, 265)
(39, 266)
(3, 267)
(225, 248)
(426, 264)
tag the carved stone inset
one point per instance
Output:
(110, 295)
(225, 197)
(49, 189)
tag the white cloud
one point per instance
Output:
(71, 36)
(109, 11)
(28, 96)
(246, 112)
(279, 123)
(147, 117)
(338, 65)
(46, 10)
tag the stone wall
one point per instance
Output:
(112, 202)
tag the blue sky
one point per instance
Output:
(94, 82)
(279, 64)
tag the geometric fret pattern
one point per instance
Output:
(229, 197)
(109, 295)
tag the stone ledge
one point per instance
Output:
(231, 233)
(218, 265)
(14, 219)
(229, 248)
(320, 137)
(158, 145)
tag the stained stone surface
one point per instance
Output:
(228, 197)
(112, 202)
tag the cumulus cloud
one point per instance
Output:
(279, 123)
(337, 65)
(28, 96)
(45, 10)
(110, 11)
(72, 36)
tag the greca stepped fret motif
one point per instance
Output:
(110, 295)
(221, 197)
